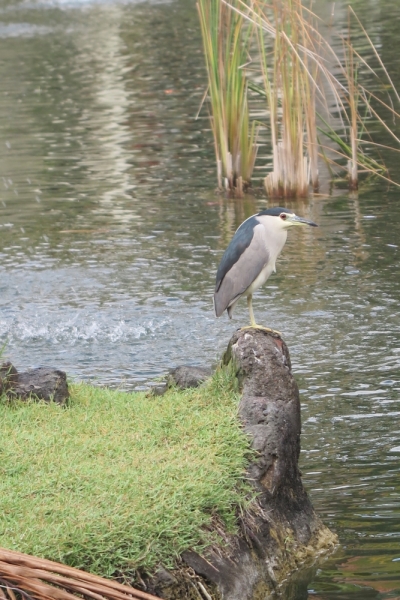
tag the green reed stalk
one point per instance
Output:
(226, 42)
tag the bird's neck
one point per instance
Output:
(276, 236)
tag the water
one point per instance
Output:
(111, 232)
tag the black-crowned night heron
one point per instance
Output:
(250, 258)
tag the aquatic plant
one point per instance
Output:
(316, 106)
(290, 85)
(226, 44)
(304, 82)
(356, 109)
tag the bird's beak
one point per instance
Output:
(295, 220)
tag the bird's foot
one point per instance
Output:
(267, 329)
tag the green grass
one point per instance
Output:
(118, 481)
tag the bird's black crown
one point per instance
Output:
(275, 211)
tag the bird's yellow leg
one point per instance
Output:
(253, 324)
(250, 307)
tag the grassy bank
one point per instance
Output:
(117, 481)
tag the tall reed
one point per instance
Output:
(226, 41)
(303, 77)
(352, 100)
(356, 107)
(290, 93)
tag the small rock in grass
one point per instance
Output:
(8, 376)
(188, 377)
(159, 390)
(43, 383)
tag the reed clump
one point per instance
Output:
(289, 84)
(316, 106)
(226, 39)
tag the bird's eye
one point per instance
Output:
(283, 216)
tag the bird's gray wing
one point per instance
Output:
(237, 271)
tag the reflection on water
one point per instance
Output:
(110, 235)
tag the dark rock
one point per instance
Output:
(235, 575)
(41, 383)
(183, 584)
(183, 377)
(8, 376)
(188, 377)
(163, 576)
(159, 390)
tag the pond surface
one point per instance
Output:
(111, 232)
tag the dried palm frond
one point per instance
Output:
(27, 577)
